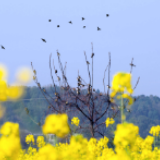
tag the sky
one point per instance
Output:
(132, 30)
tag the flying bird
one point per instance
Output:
(2, 47)
(58, 25)
(70, 22)
(83, 18)
(49, 20)
(92, 55)
(84, 26)
(98, 28)
(43, 40)
(132, 64)
(107, 15)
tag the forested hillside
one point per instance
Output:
(145, 112)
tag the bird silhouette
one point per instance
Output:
(84, 26)
(83, 18)
(70, 22)
(92, 55)
(49, 20)
(107, 15)
(58, 54)
(98, 29)
(2, 47)
(132, 64)
(55, 71)
(87, 62)
(58, 25)
(43, 40)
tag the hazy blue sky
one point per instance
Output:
(131, 30)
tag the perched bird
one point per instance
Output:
(98, 29)
(43, 40)
(84, 26)
(83, 18)
(107, 15)
(58, 25)
(58, 54)
(92, 55)
(49, 20)
(87, 62)
(70, 22)
(55, 71)
(2, 47)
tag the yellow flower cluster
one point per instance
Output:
(125, 134)
(155, 130)
(29, 139)
(75, 121)
(12, 92)
(40, 141)
(128, 146)
(56, 124)
(10, 141)
(109, 121)
(120, 83)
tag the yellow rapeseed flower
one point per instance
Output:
(56, 124)
(29, 139)
(109, 121)
(10, 141)
(155, 130)
(75, 121)
(3, 90)
(120, 83)
(14, 92)
(125, 134)
(10, 146)
(3, 72)
(40, 141)
(10, 128)
(24, 75)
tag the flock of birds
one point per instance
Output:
(98, 29)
